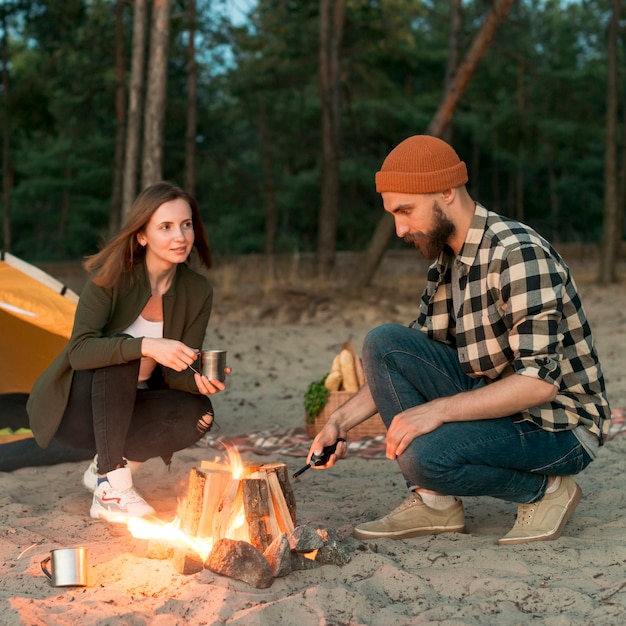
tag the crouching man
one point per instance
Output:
(496, 388)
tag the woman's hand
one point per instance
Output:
(169, 352)
(210, 387)
(178, 356)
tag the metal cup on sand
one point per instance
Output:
(68, 567)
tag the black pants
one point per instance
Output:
(108, 414)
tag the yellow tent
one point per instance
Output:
(36, 318)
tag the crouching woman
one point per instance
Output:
(122, 387)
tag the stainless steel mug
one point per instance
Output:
(212, 364)
(68, 567)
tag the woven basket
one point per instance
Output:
(373, 427)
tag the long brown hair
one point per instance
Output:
(123, 251)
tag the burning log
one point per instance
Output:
(193, 502)
(262, 525)
(239, 520)
(278, 477)
(253, 503)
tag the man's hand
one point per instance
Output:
(329, 434)
(506, 396)
(410, 424)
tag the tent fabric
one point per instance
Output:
(36, 318)
(18, 447)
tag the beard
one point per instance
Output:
(432, 243)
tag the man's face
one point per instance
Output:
(421, 221)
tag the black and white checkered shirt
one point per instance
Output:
(509, 304)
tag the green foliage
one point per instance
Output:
(534, 112)
(315, 397)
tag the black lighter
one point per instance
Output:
(319, 459)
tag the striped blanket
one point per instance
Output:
(295, 442)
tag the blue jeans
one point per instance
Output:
(493, 457)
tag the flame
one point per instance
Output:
(169, 533)
(235, 462)
(233, 527)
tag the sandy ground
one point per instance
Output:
(278, 343)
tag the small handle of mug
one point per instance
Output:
(44, 569)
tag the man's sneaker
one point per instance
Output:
(544, 520)
(116, 497)
(90, 477)
(413, 518)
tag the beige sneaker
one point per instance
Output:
(544, 520)
(413, 519)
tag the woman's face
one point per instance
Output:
(168, 237)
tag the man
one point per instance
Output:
(496, 388)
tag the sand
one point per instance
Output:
(278, 343)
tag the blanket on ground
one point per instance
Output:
(18, 448)
(295, 442)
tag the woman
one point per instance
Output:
(123, 387)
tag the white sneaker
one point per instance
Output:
(90, 477)
(116, 496)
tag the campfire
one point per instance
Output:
(238, 520)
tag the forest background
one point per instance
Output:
(277, 120)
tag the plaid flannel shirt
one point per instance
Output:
(518, 312)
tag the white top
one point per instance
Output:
(142, 327)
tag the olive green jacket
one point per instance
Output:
(101, 315)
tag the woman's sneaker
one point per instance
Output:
(116, 497)
(90, 477)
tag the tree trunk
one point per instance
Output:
(7, 166)
(495, 173)
(554, 204)
(453, 56)
(331, 30)
(271, 211)
(152, 168)
(192, 105)
(521, 152)
(115, 211)
(442, 117)
(621, 196)
(134, 106)
(474, 168)
(64, 216)
(609, 248)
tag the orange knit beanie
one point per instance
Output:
(421, 164)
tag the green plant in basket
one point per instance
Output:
(315, 397)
